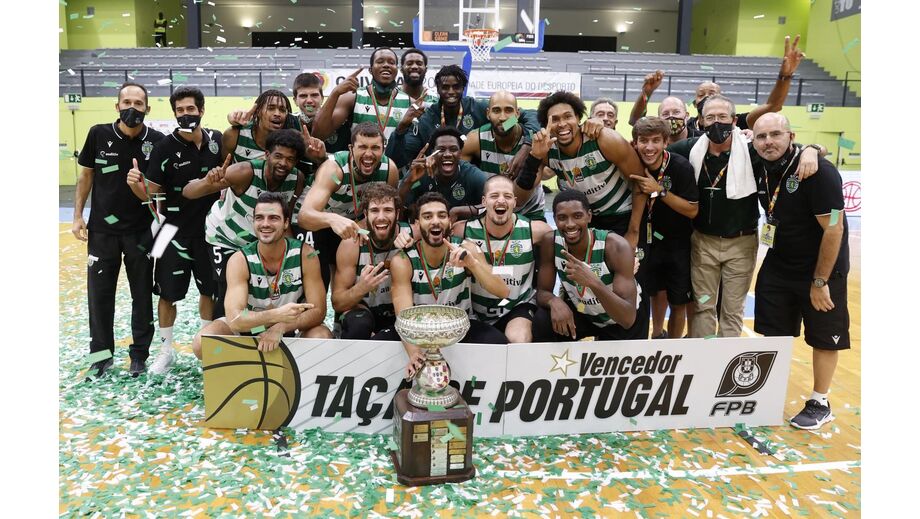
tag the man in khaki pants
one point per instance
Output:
(723, 247)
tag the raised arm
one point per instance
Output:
(792, 56)
(337, 107)
(652, 82)
(313, 215)
(215, 180)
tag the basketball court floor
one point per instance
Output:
(134, 447)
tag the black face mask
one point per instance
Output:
(719, 132)
(188, 121)
(699, 106)
(132, 117)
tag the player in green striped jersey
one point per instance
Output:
(492, 147)
(437, 271)
(361, 288)
(268, 293)
(508, 243)
(598, 295)
(246, 137)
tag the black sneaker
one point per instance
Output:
(138, 366)
(662, 335)
(99, 368)
(813, 416)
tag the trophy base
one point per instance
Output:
(448, 398)
(432, 447)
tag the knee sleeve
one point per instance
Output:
(357, 324)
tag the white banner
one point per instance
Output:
(524, 389)
(852, 192)
(524, 85)
(334, 76)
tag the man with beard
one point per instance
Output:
(269, 293)
(792, 56)
(414, 67)
(330, 208)
(380, 103)
(507, 241)
(443, 171)
(228, 224)
(670, 193)
(119, 226)
(455, 110)
(804, 274)
(361, 288)
(492, 147)
(595, 268)
(723, 246)
(598, 167)
(437, 271)
(185, 155)
(246, 139)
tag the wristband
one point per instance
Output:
(783, 78)
(527, 177)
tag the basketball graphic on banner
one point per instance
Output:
(852, 196)
(245, 387)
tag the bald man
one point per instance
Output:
(674, 112)
(804, 274)
(492, 147)
(792, 56)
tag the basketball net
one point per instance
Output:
(481, 42)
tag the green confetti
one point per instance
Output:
(633, 421)
(172, 209)
(111, 219)
(113, 167)
(478, 418)
(417, 184)
(710, 336)
(703, 298)
(849, 46)
(436, 408)
(835, 215)
(101, 161)
(184, 255)
(313, 254)
(218, 349)
(384, 10)
(363, 231)
(93, 358)
(250, 402)
(74, 16)
(446, 438)
(510, 123)
(179, 78)
(706, 67)
(491, 406)
(845, 143)
(257, 329)
(391, 445)
(111, 84)
(394, 24)
(657, 235)
(336, 179)
(454, 430)
(501, 44)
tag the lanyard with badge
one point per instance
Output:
(651, 201)
(768, 232)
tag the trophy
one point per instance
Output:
(432, 425)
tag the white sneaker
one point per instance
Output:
(163, 362)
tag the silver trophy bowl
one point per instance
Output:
(432, 327)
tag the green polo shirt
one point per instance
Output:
(718, 215)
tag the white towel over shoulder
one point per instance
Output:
(739, 179)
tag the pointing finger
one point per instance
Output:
(355, 73)
(422, 153)
(227, 161)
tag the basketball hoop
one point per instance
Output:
(481, 42)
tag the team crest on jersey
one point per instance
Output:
(332, 139)
(287, 278)
(596, 269)
(458, 193)
(468, 121)
(398, 114)
(590, 161)
(640, 254)
(516, 249)
(212, 147)
(666, 183)
(792, 184)
(503, 168)
(449, 274)
(146, 148)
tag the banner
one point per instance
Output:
(852, 192)
(516, 389)
(524, 85)
(843, 8)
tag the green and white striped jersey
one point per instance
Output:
(367, 111)
(380, 301)
(246, 147)
(266, 290)
(512, 260)
(493, 160)
(229, 222)
(451, 285)
(593, 308)
(343, 201)
(607, 190)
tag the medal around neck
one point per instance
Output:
(432, 424)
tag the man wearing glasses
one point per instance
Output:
(723, 246)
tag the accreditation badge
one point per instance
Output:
(768, 234)
(648, 233)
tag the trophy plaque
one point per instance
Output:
(432, 425)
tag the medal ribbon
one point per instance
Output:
(273, 286)
(664, 165)
(438, 276)
(386, 119)
(581, 289)
(501, 255)
(459, 117)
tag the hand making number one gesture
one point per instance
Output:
(216, 175)
(350, 84)
(316, 149)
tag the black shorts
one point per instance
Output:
(219, 257)
(310, 237)
(362, 323)
(173, 272)
(543, 328)
(525, 310)
(781, 304)
(326, 241)
(669, 270)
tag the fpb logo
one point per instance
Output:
(746, 374)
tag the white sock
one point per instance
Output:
(205, 322)
(166, 335)
(820, 397)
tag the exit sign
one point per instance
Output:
(73, 98)
(815, 108)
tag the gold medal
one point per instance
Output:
(576, 172)
(580, 307)
(436, 281)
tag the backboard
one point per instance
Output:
(441, 23)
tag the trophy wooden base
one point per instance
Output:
(422, 457)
